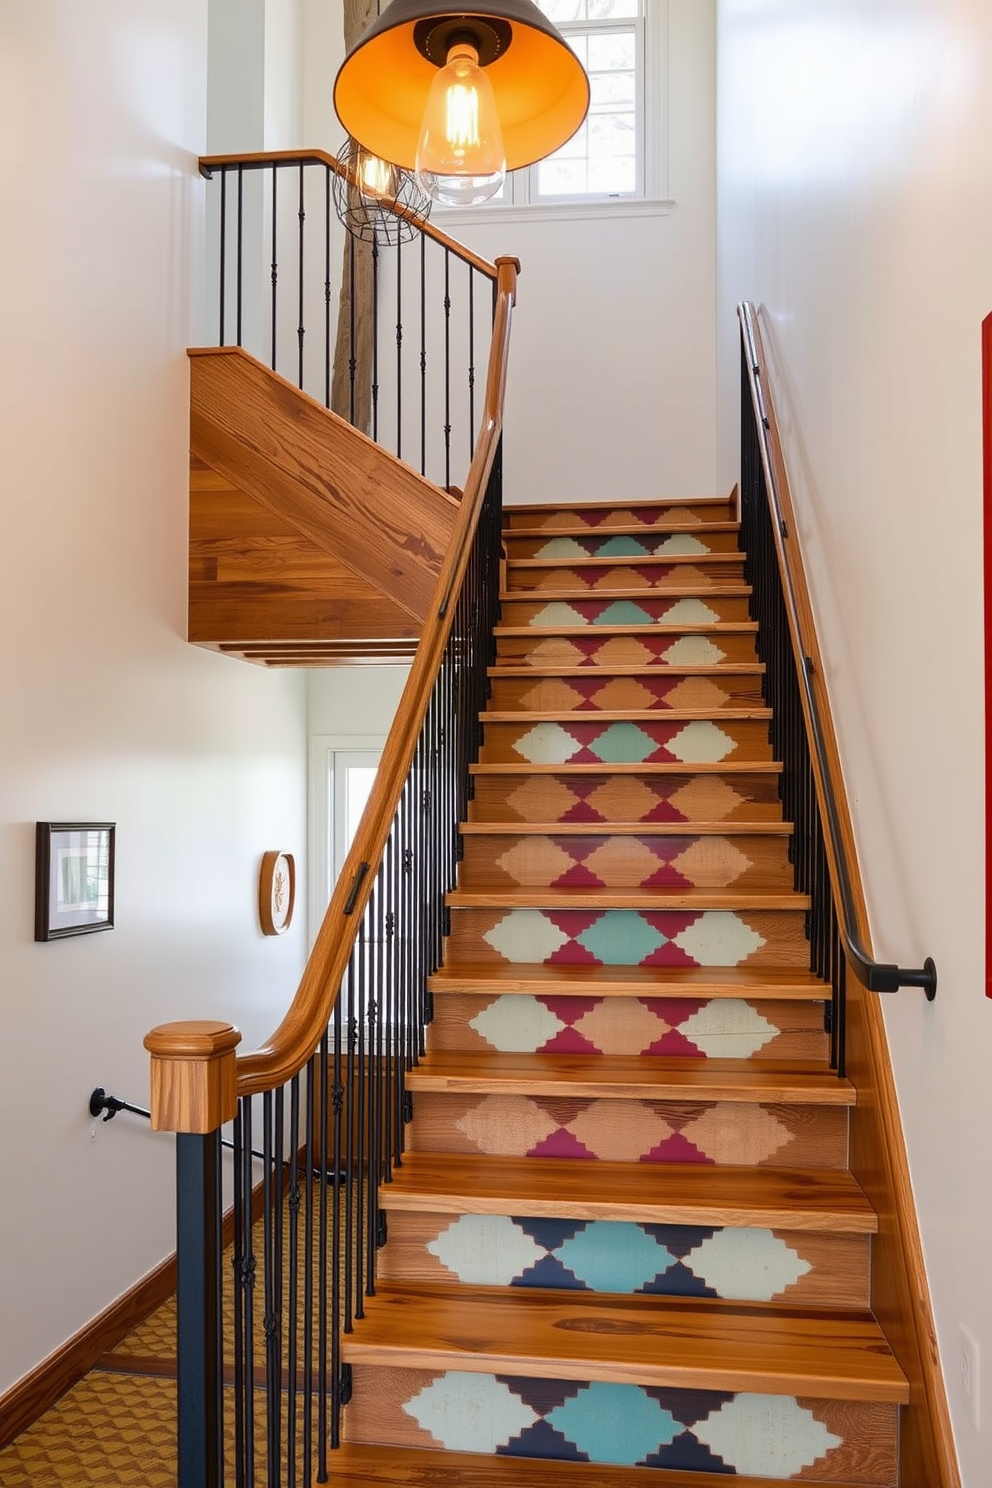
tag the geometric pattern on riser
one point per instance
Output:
(627, 937)
(631, 649)
(599, 798)
(784, 1437)
(724, 1028)
(608, 576)
(687, 610)
(701, 1132)
(604, 862)
(603, 518)
(590, 694)
(619, 1257)
(620, 545)
(696, 741)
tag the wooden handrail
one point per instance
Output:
(841, 851)
(259, 160)
(300, 1031)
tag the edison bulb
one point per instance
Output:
(460, 157)
(376, 176)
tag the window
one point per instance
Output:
(342, 773)
(617, 154)
(606, 157)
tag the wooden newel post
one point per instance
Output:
(193, 1092)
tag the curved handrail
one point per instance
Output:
(300, 1031)
(845, 876)
(259, 160)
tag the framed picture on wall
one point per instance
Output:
(74, 878)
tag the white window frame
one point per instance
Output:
(327, 753)
(651, 197)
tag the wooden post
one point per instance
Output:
(194, 1079)
(194, 1091)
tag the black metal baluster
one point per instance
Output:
(399, 349)
(223, 250)
(423, 353)
(375, 340)
(310, 1191)
(241, 255)
(471, 356)
(275, 264)
(327, 1336)
(242, 1205)
(327, 286)
(301, 329)
(271, 1280)
(249, 1278)
(361, 1115)
(447, 368)
(352, 357)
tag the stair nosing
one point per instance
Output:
(477, 1185)
(759, 984)
(755, 1359)
(786, 901)
(633, 1077)
(484, 828)
(628, 715)
(725, 767)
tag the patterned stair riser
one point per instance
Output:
(562, 614)
(624, 694)
(643, 650)
(775, 1436)
(630, 1130)
(746, 863)
(656, 544)
(696, 741)
(603, 518)
(741, 1265)
(649, 575)
(721, 1028)
(596, 798)
(625, 937)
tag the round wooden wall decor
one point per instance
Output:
(276, 892)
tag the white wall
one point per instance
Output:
(107, 712)
(855, 154)
(612, 374)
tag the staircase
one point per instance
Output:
(624, 1235)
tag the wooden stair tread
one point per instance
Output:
(824, 1200)
(685, 591)
(648, 900)
(676, 767)
(673, 669)
(603, 632)
(632, 560)
(621, 529)
(633, 1077)
(540, 980)
(668, 1342)
(629, 715)
(356, 1466)
(626, 829)
(634, 503)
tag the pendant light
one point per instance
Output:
(461, 95)
(365, 196)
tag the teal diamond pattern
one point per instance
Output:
(622, 547)
(621, 937)
(612, 1423)
(624, 612)
(623, 744)
(613, 1257)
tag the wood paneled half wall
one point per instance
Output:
(309, 545)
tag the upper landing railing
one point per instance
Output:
(392, 335)
(813, 789)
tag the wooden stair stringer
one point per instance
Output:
(353, 540)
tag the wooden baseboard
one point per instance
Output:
(38, 1391)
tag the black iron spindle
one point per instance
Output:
(275, 263)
